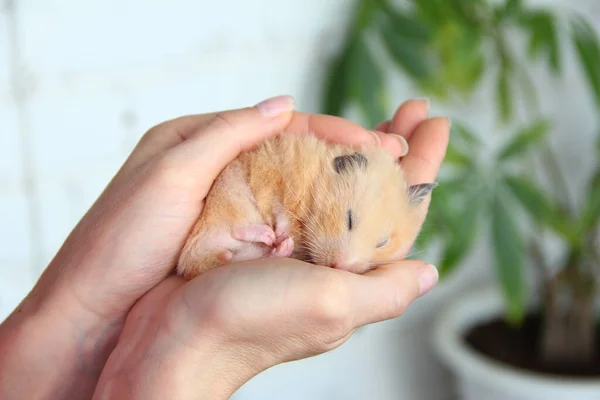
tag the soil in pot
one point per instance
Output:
(518, 347)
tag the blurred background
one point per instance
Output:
(80, 82)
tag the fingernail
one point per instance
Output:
(275, 105)
(403, 143)
(449, 123)
(377, 138)
(428, 277)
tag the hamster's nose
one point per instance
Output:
(344, 266)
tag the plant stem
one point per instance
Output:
(559, 179)
(568, 335)
(538, 259)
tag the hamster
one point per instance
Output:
(298, 196)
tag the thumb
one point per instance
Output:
(227, 134)
(387, 291)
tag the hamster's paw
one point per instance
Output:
(284, 248)
(224, 256)
(221, 246)
(282, 225)
(255, 234)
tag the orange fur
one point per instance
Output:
(290, 181)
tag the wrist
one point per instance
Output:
(51, 341)
(160, 368)
(157, 358)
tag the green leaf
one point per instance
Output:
(531, 198)
(408, 54)
(527, 87)
(465, 134)
(367, 85)
(508, 250)
(462, 11)
(455, 156)
(434, 227)
(336, 86)
(440, 218)
(586, 43)
(512, 7)
(431, 10)
(591, 211)
(465, 224)
(465, 59)
(409, 27)
(503, 95)
(428, 232)
(441, 215)
(524, 139)
(459, 245)
(364, 14)
(543, 39)
(474, 71)
(539, 206)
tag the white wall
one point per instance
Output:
(81, 81)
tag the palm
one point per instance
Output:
(304, 306)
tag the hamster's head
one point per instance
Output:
(362, 212)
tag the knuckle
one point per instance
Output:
(403, 296)
(400, 304)
(167, 171)
(152, 133)
(332, 303)
(223, 119)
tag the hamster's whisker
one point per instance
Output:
(414, 253)
(377, 264)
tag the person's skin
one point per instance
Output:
(215, 332)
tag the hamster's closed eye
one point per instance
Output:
(382, 243)
(350, 219)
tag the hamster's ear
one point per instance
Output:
(347, 162)
(416, 193)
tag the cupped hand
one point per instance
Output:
(62, 333)
(205, 338)
(130, 239)
(243, 318)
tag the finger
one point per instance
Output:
(164, 136)
(387, 291)
(395, 144)
(408, 116)
(171, 133)
(383, 126)
(338, 130)
(330, 128)
(206, 151)
(427, 148)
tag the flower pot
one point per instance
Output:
(480, 377)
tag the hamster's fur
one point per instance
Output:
(301, 197)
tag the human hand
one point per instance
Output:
(204, 338)
(129, 241)
(131, 238)
(214, 333)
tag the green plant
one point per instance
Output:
(447, 49)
